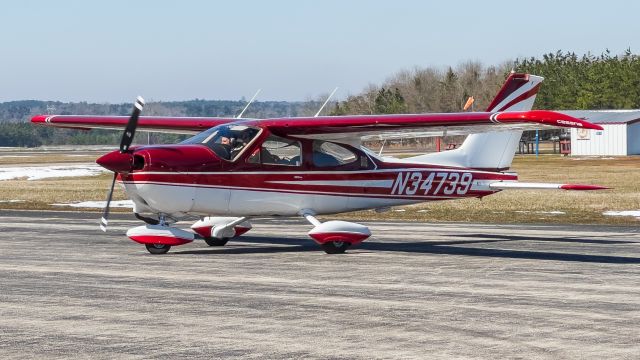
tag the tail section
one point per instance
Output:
(492, 150)
(517, 94)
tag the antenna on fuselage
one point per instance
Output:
(249, 103)
(326, 101)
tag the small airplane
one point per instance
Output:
(235, 169)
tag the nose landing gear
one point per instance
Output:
(157, 249)
(158, 239)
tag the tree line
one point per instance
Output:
(16, 130)
(571, 82)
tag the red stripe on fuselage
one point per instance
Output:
(410, 184)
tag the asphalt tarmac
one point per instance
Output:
(413, 290)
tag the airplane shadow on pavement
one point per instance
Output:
(455, 247)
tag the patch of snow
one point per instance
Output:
(399, 210)
(595, 157)
(541, 212)
(100, 204)
(423, 210)
(11, 201)
(635, 213)
(614, 111)
(43, 172)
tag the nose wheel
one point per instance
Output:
(157, 249)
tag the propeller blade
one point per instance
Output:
(105, 216)
(130, 130)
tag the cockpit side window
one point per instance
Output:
(276, 150)
(328, 154)
(227, 141)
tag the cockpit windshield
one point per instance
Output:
(227, 141)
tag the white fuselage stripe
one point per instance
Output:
(313, 172)
(348, 183)
(271, 190)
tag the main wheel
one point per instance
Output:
(211, 241)
(335, 247)
(157, 249)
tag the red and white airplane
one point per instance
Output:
(235, 169)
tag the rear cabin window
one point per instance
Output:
(277, 151)
(328, 154)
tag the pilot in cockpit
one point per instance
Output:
(226, 142)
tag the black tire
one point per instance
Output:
(211, 241)
(157, 249)
(335, 247)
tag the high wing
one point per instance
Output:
(178, 125)
(385, 126)
(339, 127)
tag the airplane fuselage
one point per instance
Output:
(289, 193)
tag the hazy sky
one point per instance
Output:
(111, 51)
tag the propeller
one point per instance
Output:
(105, 216)
(125, 142)
(130, 129)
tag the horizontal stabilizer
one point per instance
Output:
(514, 185)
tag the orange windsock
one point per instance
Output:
(468, 104)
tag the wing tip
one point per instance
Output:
(39, 119)
(582, 187)
(546, 117)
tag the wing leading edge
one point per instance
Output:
(340, 127)
(179, 125)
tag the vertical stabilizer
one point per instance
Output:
(492, 150)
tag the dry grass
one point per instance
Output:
(531, 206)
(580, 207)
(40, 194)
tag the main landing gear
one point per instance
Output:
(335, 247)
(211, 241)
(217, 231)
(335, 237)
